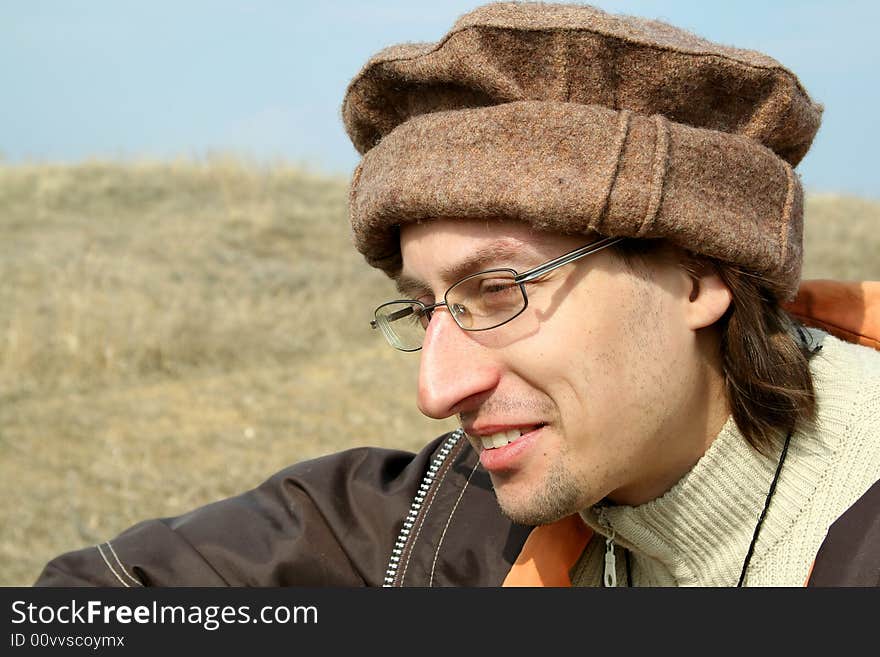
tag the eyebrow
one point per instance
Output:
(471, 264)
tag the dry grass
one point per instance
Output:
(172, 333)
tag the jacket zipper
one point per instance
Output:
(415, 507)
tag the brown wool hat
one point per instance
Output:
(579, 121)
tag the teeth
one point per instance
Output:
(500, 439)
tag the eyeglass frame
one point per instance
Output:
(518, 279)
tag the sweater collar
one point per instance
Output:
(698, 532)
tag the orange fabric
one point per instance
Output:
(549, 553)
(810, 574)
(849, 310)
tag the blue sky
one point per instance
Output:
(125, 79)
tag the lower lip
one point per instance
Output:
(510, 456)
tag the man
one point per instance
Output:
(592, 221)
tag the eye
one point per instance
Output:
(420, 318)
(497, 287)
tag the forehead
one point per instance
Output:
(432, 250)
(466, 230)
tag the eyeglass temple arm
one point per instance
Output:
(403, 312)
(598, 245)
(527, 276)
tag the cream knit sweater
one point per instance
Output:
(699, 531)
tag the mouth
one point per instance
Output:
(504, 438)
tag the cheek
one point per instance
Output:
(624, 355)
(599, 355)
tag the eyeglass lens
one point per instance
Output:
(476, 303)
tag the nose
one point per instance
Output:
(455, 369)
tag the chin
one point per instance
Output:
(551, 502)
(530, 518)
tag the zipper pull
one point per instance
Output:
(609, 577)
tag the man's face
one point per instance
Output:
(600, 380)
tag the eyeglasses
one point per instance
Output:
(478, 302)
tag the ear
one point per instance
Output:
(708, 301)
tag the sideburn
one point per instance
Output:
(767, 378)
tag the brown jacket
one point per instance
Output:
(331, 521)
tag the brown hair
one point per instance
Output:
(766, 369)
